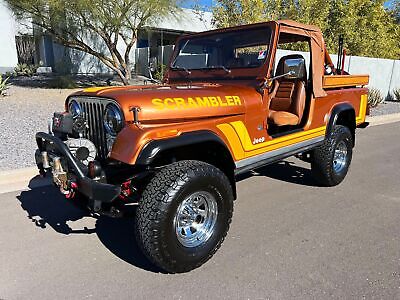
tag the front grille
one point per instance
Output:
(93, 112)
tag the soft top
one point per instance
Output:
(295, 24)
(318, 50)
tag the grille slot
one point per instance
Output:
(93, 112)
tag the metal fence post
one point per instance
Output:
(391, 78)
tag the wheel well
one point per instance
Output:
(210, 152)
(348, 118)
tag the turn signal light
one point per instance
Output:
(167, 133)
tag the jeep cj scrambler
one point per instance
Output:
(228, 104)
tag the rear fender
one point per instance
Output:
(342, 114)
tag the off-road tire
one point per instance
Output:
(322, 162)
(155, 231)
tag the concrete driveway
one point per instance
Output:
(289, 239)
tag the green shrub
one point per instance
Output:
(25, 70)
(3, 85)
(396, 94)
(374, 97)
(158, 74)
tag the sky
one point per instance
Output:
(202, 3)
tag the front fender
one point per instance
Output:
(129, 143)
(136, 146)
(153, 148)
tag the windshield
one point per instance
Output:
(246, 48)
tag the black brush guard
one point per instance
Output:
(92, 189)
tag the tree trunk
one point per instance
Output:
(128, 74)
(124, 78)
(122, 66)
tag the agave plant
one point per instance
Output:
(24, 70)
(3, 85)
(374, 97)
(396, 94)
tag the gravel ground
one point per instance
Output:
(27, 110)
(24, 112)
(386, 108)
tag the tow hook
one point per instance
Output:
(126, 190)
(70, 192)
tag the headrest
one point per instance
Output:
(279, 68)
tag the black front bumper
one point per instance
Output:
(92, 189)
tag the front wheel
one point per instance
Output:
(184, 215)
(330, 162)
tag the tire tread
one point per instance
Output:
(321, 163)
(154, 205)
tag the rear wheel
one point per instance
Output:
(184, 215)
(331, 161)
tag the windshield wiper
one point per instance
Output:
(228, 71)
(181, 68)
(180, 51)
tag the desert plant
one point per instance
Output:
(396, 94)
(374, 97)
(158, 74)
(9, 74)
(389, 97)
(76, 24)
(3, 85)
(24, 70)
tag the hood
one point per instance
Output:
(174, 103)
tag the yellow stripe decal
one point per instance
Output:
(363, 109)
(95, 89)
(248, 145)
(285, 143)
(242, 147)
(233, 140)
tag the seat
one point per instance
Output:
(288, 97)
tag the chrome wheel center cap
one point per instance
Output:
(195, 219)
(340, 157)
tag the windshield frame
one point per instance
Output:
(253, 72)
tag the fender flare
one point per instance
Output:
(152, 149)
(334, 115)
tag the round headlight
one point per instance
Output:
(113, 119)
(74, 108)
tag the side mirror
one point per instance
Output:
(293, 68)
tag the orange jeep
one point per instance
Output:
(230, 102)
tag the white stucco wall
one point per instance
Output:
(8, 28)
(384, 74)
